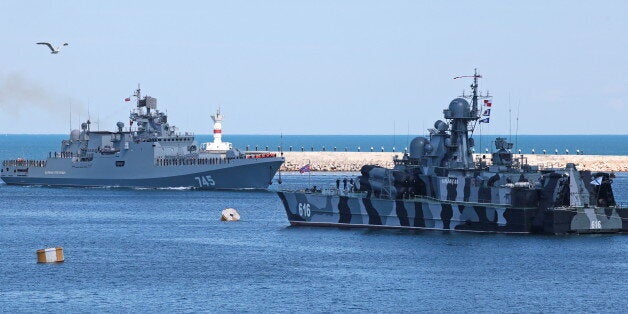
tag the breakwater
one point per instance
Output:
(353, 161)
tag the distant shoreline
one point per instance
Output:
(353, 161)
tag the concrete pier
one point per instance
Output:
(353, 161)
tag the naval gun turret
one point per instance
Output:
(503, 155)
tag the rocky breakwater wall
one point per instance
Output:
(336, 161)
(583, 162)
(353, 161)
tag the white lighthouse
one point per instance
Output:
(217, 145)
(217, 127)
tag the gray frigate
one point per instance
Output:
(439, 185)
(151, 155)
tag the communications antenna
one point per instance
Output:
(475, 96)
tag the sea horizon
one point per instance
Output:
(38, 145)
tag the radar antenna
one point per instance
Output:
(474, 89)
(475, 110)
(138, 94)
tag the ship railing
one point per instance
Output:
(468, 203)
(406, 162)
(193, 161)
(365, 194)
(260, 155)
(24, 163)
(187, 161)
(183, 134)
(338, 191)
(62, 155)
(334, 191)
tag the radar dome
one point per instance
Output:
(441, 126)
(120, 126)
(417, 147)
(460, 108)
(74, 135)
(84, 126)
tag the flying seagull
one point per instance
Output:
(52, 49)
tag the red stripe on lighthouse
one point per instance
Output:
(217, 131)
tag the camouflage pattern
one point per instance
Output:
(438, 185)
(355, 210)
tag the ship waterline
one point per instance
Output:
(349, 210)
(233, 174)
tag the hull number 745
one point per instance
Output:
(205, 181)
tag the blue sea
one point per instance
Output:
(38, 146)
(166, 250)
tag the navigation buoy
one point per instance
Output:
(50, 255)
(230, 214)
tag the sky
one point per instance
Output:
(315, 67)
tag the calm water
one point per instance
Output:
(156, 250)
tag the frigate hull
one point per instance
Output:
(318, 209)
(234, 175)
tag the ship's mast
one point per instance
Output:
(475, 96)
(474, 88)
(461, 120)
(138, 94)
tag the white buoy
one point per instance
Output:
(50, 255)
(230, 214)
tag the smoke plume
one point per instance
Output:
(19, 95)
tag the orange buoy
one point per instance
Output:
(50, 255)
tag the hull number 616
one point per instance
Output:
(304, 210)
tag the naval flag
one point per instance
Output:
(488, 103)
(305, 168)
(127, 99)
(485, 120)
(487, 112)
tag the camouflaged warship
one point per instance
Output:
(438, 185)
(152, 155)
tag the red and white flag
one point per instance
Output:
(305, 168)
(488, 103)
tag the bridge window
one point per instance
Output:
(119, 163)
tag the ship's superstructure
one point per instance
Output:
(439, 185)
(149, 153)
